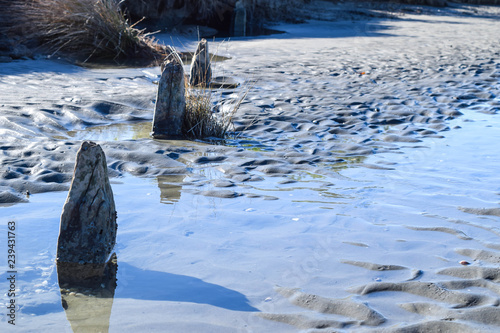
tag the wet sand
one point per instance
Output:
(362, 174)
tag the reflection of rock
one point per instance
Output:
(170, 102)
(169, 190)
(87, 292)
(88, 221)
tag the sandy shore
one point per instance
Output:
(325, 100)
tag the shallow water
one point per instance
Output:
(185, 259)
(112, 132)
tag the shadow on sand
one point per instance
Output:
(161, 286)
(88, 291)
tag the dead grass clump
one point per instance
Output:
(85, 29)
(205, 116)
(200, 120)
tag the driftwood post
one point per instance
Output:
(170, 100)
(201, 71)
(87, 232)
(87, 236)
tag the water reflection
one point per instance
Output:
(170, 191)
(88, 290)
(113, 132)
(87, 293)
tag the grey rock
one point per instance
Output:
(201, 71)
(170, 102)
(88, 222)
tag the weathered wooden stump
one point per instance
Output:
(170, 101)
(88, 227)
(239, 23)
(201, 71)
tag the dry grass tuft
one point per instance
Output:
(203, 117)
(84, 29)
(200, 120)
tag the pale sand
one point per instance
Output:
(324, 96)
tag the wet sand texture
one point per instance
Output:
(300, 114)
(362, 313)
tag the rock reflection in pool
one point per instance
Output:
(87, 293)
(112, 132)
(170, 192)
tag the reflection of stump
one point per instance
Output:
(87, 292)
(98, 279)
(170, 102)
(170, 192)
(201, 72)
(88, 221)
(239, 23)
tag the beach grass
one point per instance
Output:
(200, 120)
(83, 29)
(205, 116)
